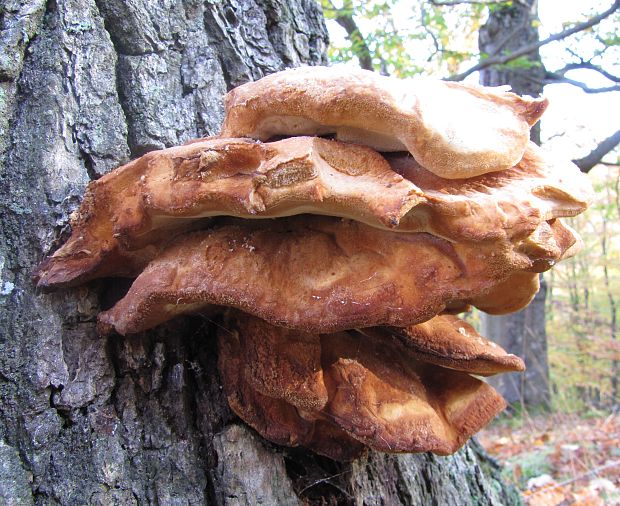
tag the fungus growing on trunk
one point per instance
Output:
(454, 130)
(129, 215)
(333, 267)
(319, 274)
(409, 393)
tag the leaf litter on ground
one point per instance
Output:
(559, 459)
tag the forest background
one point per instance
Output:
(574, 56)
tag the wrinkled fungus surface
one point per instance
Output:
(336, 270)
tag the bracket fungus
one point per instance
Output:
(409, 393)
(319, 274)
(336, 267)
(130, 214)
(452, 129)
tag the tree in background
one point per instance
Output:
(508, 29)
(582, 305)
(439, 37)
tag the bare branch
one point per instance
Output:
(588, 66)
(449, 3)
(502, 59)
(344, 17)
(573, 53)
(555, 78)
(429, 32)
(596, 155)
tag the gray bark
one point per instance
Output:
(84, 86)
(522, 333)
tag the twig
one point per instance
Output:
(326, 479)
(588, 66)
(552, 78)
(344, 17)
(578, 477)
(429, 32)
(596, 155)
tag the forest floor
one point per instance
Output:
(559, 459)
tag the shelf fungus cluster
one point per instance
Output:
(337, 226)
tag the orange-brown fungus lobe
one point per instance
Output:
(127, 215)
(335, 271)
(315, 274)
(500, 206)
(373, 388)
(454, 130)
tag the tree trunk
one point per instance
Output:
(84, 86)
(522, 333)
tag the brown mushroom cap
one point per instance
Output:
(93, 252)
(286, 364)
(378, 390)
(452, 129)
(507, 206)
(512, 294)
(551, 242)
(556, 242)
(315, 274)
(130, 214)
(281, 363)
(127, 213)
(448, 341)
(395, 403)
(273, 417)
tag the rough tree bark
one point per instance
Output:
(523, 333)
(84, 86)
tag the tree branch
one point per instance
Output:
(588, 66)
(344, 17)
(555, 78)
(596, 155)
(439, 3)
(429, 32)
(502, 59)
